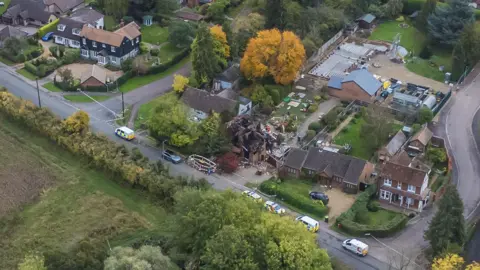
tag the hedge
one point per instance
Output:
(410, 6)
(301, 202)
(42, 31)
(162, 67)
(346, 221)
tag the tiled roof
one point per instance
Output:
(231, 74)
(64, 5)
(403, 174)
(102, 36)
(10, 31)
(365, 80)
(96, 72)
(423, 136)
(401, 158)
(189, 15)
(396, 142)
(202, 100)
(69, 26)
(295, 158)
(131, 30)
(86, 15)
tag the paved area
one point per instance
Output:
(390, 69)
(339, 202)
(79, 69)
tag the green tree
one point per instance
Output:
(181, 33)
(393, 8)
(260, 96)
(466, 52)
(377, 126)
(447, 227)
(416, 128)
(216, 10)
(166, 8)
(447, 22)
(116, 8)
(226, 28)
(436, 155)
(145, 258)
(32, 262)
(203, 54)
(425, 115)
(67, 77)
(427, 9)
(240, 42)
(214, 139)
(293, 14)
(275, 14)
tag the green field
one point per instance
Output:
(78, 203)
(430, 68)
(25, 73)
(168, 51)
(85, 99)
(379, 218)
(52, 87)
(6, 3)
(411, 38)
(154, 34)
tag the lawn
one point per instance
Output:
(110, 22)
(79, 204)
(285, 109)
(5, 6)
(430, 68)
(52, 87)
(25, 73)
(168, 51)
(381, 217)
(411, 38)
(85, 99)
(137, 82)
(352, 136)
(154, 34)
(146, 110)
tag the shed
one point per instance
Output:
(366, 21)
(430, 101)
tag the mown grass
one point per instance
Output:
(25, 73)
(85, 99)
(168, 51)
(411, 39)
(52, 87)
(381, 217)
(154, 34)
(84, 203)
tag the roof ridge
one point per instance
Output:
(420, 170)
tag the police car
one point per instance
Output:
(274, 208)
(125, 133)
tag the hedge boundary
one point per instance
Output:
(346, 221)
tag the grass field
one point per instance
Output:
(154, 34)
(137, 82)
(73, 202)
(168, 51)
(85, 99)
(52, 87)
(6, 3)
(411, 38)
(426, 69)
(380, 217)
(25, 73)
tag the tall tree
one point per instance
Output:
(447, 22)
(216, 10)
(214, 139)
(226, 28)
(425, 115)
(166, 8)
(392, 8)
(467, 51)
(181, 33)
(427, 9)
(273, 53)
(147, 257)
(453, 262)
(220, 45)
(116, 8)
(202, 55)
(377, 126)
(275, 14)
(447, 227)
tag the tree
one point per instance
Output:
(32, 262)
(253, 23)
(220, 45)
(179, 83)
(229, 33)
(203, 54)
(377, 126)
(260, 96)
(181, 33)
(228, 162)
(275, 14)
(140, 66)
(213, 139)
(145, 258)
(67, 77)
(216, 10)
(448, 262)
(293, 15)
(425, 115)
(280, 55)
(436, 155)
(467, 51)
(392, 8)
(165, 8)
(14, 45)
(241, 39)
(116, 8)
(415, 128)
(427, 9)
(77, 122)
(447, 22)
(447, 227)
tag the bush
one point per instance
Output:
(313, 108)
(127, 65)
(42, 31)
(354, 120)
(127, 19)
(70, 56)
(35, 54)
(154, 52)
(53, 50)
(316, 126)
(373, 206)
(426, 52)
(30, 68)
(299, 201)
(20, 58)
(32, 41)
(310, 134)
(143, 47)
(317, 98)
(275, 95)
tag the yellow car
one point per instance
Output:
(125, 133)
(274, 208)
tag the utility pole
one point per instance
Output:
(38, 93)
(123, 108)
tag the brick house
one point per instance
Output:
(420, 140)
(329, 168)
(358, 85)
(403, 186)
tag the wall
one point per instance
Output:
(350, 92)
(327, 44)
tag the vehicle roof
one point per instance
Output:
(255, 195)
(126, 129)
(358, 243)
(269, 203)
(309, 220)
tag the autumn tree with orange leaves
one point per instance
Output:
(220, 45)
(275, 54)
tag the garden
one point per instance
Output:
(19, 50)
(154, 34)
(42, 67)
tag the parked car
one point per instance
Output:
(356, 246)
(170, 156)
(253, 195)
(125, 133)
(274, 208)
(47, 36)
(311, 224)
(316, 195)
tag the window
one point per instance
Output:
(85, 53)
(59, 39)
(76, 43)
(387, 182)
(113, 49)
(138, 39)
(76, 31)
(113, 59)
(84, 41)
(94, 44)
(103, 45)
(61, 27)
(94, 54)
(411, 188)
(385, 195)
(399, 185)
(132, 42)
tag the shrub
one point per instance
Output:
(35, 53)
(127, 19)
(30, 68)
(354, 120)
(312, 108)
(42, 31)
(53, 50)
(310, 134)
(316, 126)
(143, 47)
(275, 95)
(32, 41)
(154, 52)
(20, 58)
(373, 206)
(345, 129)
(127, 65)
(71, 56)
(426, 52)
(317, 98)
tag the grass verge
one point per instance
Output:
(25, 73)
(52, 87)
(154, 34)
(140, 81)
(6, 61)
(145, 110)
(85, 99)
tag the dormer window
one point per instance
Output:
(76, 31)
(94, 44)
(138, 39)
(84, 41)
(113, 49)
(61, 27)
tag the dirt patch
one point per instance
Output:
(339, 202)
(22, 177)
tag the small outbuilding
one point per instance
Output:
(366, 21)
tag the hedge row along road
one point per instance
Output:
(103, 124)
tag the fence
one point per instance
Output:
(442, 102)
(322, 50)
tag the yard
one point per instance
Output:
(52, 87)
(283, 108)
(378, 218)
(58, 201)
(351, 135)
(154, 34)
(430, 68)
(85, 99)
(168, 51)
(110, 22)
(146, 110)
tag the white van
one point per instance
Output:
(311, 224)
(356, 246)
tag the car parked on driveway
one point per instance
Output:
(47, 36)
(170, 156)
(316, 195)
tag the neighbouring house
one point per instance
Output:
(96, 76)
(404, 186)
(229, 78)
(25, 12)
(359, 85)
(194, 3)
(393, 146)
(89, 16)
(249, 141)
(244, 104)
(110, 47)
(63, 6)
(366, 21)
(10, 31)
(402, 158)
(68, 32)
(420, 140)
(202, 103)
(329, 168)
